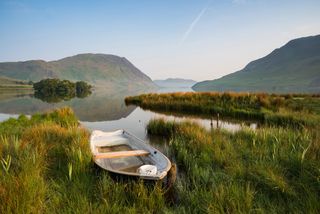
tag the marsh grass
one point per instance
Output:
(268, 170)
(282, 110)
(46, 167)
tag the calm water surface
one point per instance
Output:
(7, 116)
(105, 110)
(137, 121)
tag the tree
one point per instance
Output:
(55, 90)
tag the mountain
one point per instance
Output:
(101, 70)
(295, 67)
(175, 83)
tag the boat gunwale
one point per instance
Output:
(141, 142)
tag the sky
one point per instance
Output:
(195, 39)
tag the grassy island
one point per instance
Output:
(284, 110)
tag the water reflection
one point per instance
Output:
(105, 109)
(57, 98)
(137, 121)
(7, 116)
(102, 105)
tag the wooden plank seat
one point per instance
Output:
(121, 154)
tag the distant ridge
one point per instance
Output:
(175, 82)
(9, 81)
(295, 67)
(101, 70)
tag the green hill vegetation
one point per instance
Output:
(9, 83)
(295, 67)
(100, 70)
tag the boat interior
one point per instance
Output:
(130, 163)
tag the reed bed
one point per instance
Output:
(46, 167)
(270, 170)
(282, 110)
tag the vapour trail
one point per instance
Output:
(193, 24)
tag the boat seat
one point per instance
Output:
(121, 154)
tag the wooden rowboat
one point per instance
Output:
(122, 153)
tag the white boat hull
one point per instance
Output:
(122, 153)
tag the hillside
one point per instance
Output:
(8, 83)
(295, 67)
(175, 83)
(100, 70)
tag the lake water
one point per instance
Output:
(104, 110)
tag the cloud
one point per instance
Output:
(194, 23)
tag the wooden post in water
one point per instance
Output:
(218, 120)
(211, 123)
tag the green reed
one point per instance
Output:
(47, 167)
(282, 110)
(267, 170)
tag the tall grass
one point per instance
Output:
(284, 110)
(51, 171)
(268, 170)
(46, 167)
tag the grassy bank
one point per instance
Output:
(284, 110)
(270, 170)
(46, 167)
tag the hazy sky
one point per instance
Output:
(196, 39)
